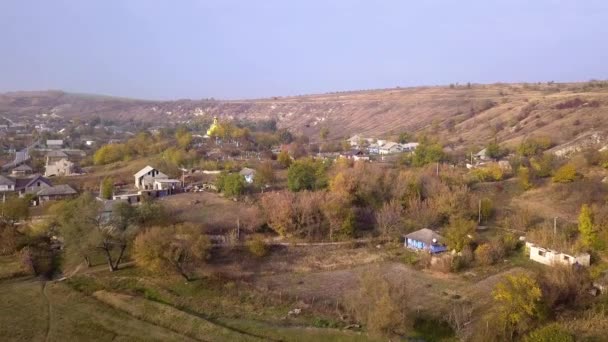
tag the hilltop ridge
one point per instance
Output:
(458, 114)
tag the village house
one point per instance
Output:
(54, 144)
(390, 148)
(31, 185)
(7, 184)
(425, 240)
(54, 156)
(248, 174)
(57, 192)
(61, 167)
(171, 185)
(144, 179)
(356, 155)
(22, 170)
(551, 257)
(409, 147)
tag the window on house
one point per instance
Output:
(541, 253)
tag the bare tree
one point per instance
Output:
(390, 219)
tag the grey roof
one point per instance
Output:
(36, 178)
(424, 235)
(144, 171)
(23, 167)
(6, 180)
(62, 189)
(57, 154)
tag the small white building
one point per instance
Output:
(390, 148)
(167, 184)
(54, 144)
(61, 167)
(248, 174)
(409, 147)
(6, 184)
(145, 178)
(551, 257)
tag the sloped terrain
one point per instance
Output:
(457, 114)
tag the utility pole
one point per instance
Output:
(555, 226)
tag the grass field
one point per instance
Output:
(30, 311)
(132, 305)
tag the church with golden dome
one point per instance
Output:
(213, 128)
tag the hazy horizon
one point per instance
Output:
(240, 50)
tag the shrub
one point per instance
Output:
(491, 172)
(552, 333)
(563, 286)
(381, 305)
(573, 103)
(534, 146)
(257, 246)
(484, 254)
(306, 175)
(231, 185)
(565, 174)
(523, 174)
(284, 159)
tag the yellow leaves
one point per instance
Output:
(517, 298)
(565, 174)
(490, 172)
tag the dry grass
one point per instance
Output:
(171, 318)
(27, 313)
(217, 214)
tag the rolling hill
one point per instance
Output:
(458, 114)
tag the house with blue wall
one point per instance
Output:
(425, 240)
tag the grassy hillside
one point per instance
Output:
(460, 114)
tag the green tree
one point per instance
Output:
(516, 301)
(459, 233)
(427, 152)
(586, 227)
(15, 209)
(231, 184)
(404, 137)
(533, 146)
(493, 150)
(107, 188)
(301, 175)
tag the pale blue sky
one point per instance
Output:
(246, 49)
